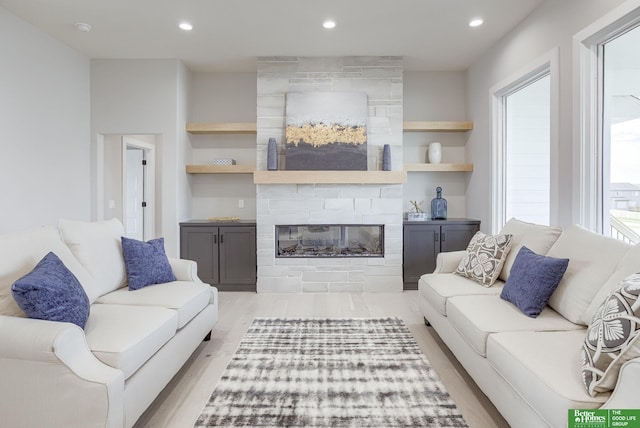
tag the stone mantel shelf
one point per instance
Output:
(442, 126)
(329, 177)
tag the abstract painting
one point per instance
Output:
(326, 131)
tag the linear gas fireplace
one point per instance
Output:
(330, 240)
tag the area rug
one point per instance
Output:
(355, 372)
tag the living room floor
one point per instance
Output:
(183, 399)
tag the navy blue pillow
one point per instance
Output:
(51, 292)
(146, 262)
(532, 280)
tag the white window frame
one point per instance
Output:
(546, 64)
(587, 120)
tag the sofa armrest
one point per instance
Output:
(448, 262)
(184, 270)
(51, 378)
(625, 395)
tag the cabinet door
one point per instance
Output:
(238, 257)
(421, 245)
(457, 236)
(200, 244)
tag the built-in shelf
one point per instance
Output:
(438, 167)
(222, 128)
(330, 177)
(220, 169)
(422, 126)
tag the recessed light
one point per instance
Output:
(476, 22)
(81, 26)
(329, 24)
(185, 26)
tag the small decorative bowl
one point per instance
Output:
(417, 217)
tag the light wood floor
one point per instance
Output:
(183, 399)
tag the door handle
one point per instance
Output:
(221, 238)
(215, 239)
(443, 237)
(437, 237)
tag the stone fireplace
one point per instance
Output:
(330, 204)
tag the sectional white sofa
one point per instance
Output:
(56, 374)
(531, 368)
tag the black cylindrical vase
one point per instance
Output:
(386, 158)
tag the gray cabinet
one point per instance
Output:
(423, 241)
(225, 253)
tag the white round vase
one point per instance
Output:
(435, 153)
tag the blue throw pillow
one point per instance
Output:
(532, 281)
(51, 292)
(146, 262)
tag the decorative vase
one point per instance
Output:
(272, 155)
(435, 153)
(438, 206)
(386, 158)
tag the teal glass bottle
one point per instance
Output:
(438, 206)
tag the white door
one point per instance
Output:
(134, 193)
(138, 190)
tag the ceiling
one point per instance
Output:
(229, 35)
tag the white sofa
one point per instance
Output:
(56, 374)
(531, 368)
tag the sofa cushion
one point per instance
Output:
(97, 246)
(19, 254)
(613, 337)
(477, 317)
(628, 265)
(146, 263)
(187, 298)
(437, 288)
(592, 260)
(532, 281)
(484, 258)
(126, 336)
(51, 292)
(544, 369)
(536, 237)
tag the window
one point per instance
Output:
(524, 133)
(527, 152)
(620, 142)
(606, 126)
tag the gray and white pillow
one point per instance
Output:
(484, 258)
(613, 337)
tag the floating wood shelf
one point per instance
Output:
(437, 126)
(220, 169)
(438, 167)
(222, 128)
(330, 177)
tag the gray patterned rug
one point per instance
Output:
(355, 372)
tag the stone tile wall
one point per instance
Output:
(381, 79)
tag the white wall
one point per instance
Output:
(44, 128)
(553, 24)
(146, 97)
(435, 96)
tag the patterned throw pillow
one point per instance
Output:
(613, 337)
(484, 258)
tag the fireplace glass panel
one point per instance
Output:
(320, 240)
